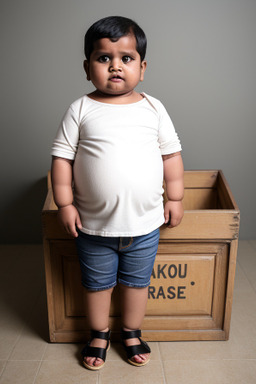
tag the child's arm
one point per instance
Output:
(61, 174)
(174, 180)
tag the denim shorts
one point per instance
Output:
(104, 261)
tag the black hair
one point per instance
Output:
(114, 27)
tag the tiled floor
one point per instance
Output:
(27, 358)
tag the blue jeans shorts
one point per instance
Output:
(104, 261)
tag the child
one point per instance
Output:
(112, 150)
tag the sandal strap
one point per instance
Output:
(131, 334)
(94, 352)
(135, 349)
(100, 335)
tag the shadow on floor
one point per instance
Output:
(22, 289)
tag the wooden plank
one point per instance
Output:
(200, 199)
(49, 204)
(230, 286)
(200, 179)
(49, 180)
(203, 335)
(225, 195)
(193, 335)
(52, 228)
(73, 289)
(196, 224)
(49, 291)
(207, 224)
(181, 284)
(190, 246)
(220, 281)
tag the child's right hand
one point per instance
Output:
(70, 219)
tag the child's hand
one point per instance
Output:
(173, 213)
(69, 218)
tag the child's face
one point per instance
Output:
(115, 68)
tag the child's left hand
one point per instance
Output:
(173, 213)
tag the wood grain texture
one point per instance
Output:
(191, 291)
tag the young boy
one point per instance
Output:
(112, 150)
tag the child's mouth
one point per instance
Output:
(116, 79)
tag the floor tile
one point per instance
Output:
(62, 352)
(22, 282)
(210, 372)
(32, 342)
(2, 366)
(247, 260)
(38, 322)
(29, 347)
(19, 289)
(20, 372)
(72, 352)
(253, 244)
(242, 284)
(240, 346)
(65, 372)
(122, 372)
(10, 330)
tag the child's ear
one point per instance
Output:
(86, 68)
(143, 67)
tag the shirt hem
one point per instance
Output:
(124, 233)
(63, 155)
(170, 151)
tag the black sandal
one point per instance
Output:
(95, 351)
(135, 349)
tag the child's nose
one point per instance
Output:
(115, 65)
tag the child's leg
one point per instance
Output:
(136, 264)
(99, 264)
(134, 302)
(98, 306)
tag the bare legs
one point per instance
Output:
(98, 306)
(133, 301)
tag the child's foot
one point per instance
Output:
(94, 353)
(96, 361)
(140, 358)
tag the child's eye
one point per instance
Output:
(126, 59)
(103, 59)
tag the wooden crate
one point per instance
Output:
(191, 291)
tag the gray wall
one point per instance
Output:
(201, 64)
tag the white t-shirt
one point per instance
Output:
(118, 169)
